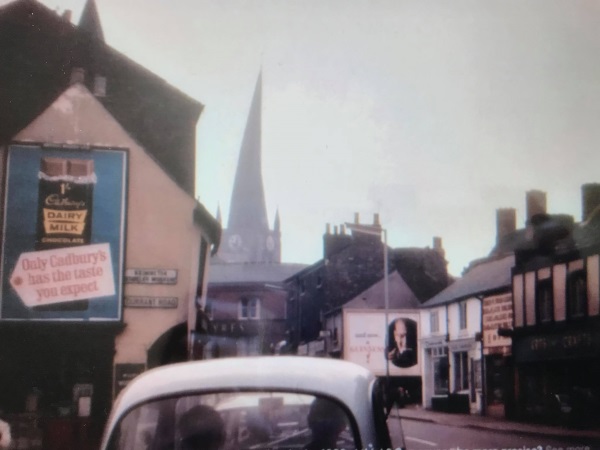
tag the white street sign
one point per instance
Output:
(63, 275)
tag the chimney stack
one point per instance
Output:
(590, 199)
(376, 219)
(506, 222)
(535, 203)
(67, 15)
(356, 218)
(438, 247)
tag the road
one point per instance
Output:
(420, 435)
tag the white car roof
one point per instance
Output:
(347, 382)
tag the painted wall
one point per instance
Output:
(160, 232)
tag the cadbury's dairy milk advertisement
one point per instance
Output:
(63, 234)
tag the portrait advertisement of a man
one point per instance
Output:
(401, 348)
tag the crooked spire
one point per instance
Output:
(248, 209)
(90, 20)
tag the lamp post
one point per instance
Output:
(378, 231)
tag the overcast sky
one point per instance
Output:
(431, 113)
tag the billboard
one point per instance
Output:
(63, 235)
(383, 344)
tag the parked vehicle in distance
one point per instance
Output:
(277, 402)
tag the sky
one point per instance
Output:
(432, 114)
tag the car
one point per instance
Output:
(274, 402)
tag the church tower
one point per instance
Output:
(248, 238)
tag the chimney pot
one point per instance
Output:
(376, 219)
(67, 15)
(327, 228)
(356, 218)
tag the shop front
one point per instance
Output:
(56, 382)
(557, 375)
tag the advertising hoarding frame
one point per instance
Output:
(21, 232)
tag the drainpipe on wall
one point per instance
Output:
(483, 387)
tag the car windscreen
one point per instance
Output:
(237, 420)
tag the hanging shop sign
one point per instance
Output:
(151, 276)
(63, 234)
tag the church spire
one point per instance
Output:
(90, 20)
(248, 209)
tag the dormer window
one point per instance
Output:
(249, 308)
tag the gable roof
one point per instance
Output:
(484, 278)
(38, 51)
(400, 295)
(423, 269)
(233, 273)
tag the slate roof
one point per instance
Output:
(400, 295)
(252, 272)
(484, 278)
(39, 49)
(423, 269)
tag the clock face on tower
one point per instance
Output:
(270, 243)
(235, 241)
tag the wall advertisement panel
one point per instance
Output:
(372, 342)
(63, 234)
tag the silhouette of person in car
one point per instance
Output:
(402, 341)
(201, 428)
(326, 421)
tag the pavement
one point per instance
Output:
(476, 421)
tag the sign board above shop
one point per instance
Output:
(151, 276)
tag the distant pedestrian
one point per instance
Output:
(5, 438)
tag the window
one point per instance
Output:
(440, 375)
(434, 321)
(249, 308)
(461, 371)
(577, 294)
(462, 315)
(236, 420)
(544, 301)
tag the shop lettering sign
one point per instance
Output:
(63, 275)
(497, 313)
(124, 373)
(152, 302)
(151, 276)
(566, 345)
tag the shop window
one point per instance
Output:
(249, 308)
(461, 371)
(577, 294)
(462, 315)
(544, 301)
(434, 321)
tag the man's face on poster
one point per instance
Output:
(400, 334)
